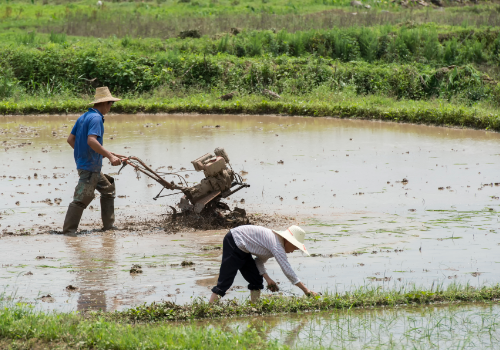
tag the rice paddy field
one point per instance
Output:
(373, 125)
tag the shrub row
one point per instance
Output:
(54, 69)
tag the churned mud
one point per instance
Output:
(384, 204)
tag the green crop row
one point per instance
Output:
(427, 44)
(424, 44)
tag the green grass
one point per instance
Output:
(406, 70)
(364, 297)
(316, 105)
(147, 326)
(21, 327)
(333, 62)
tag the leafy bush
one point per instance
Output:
(8, 83)
(59, 68)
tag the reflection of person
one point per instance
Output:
(242, 242)
(95, 261)
(86, 139)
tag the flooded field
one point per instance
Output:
(434, 327)
(384, 204)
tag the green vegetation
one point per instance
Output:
(166, 18)
(56, 74)
(407, 71)
(147, 326)
(365, 297)
(315, 104)
(459, 326)
(23, 328)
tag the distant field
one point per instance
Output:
(165, 19)
(187, 54)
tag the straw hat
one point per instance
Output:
(294, 235)
(102, 94)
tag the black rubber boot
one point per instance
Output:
(72, 220)
(108, 213)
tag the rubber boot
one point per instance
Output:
(254, 296)
(108, 213)
(72, 220)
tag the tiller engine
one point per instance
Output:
(220, 181)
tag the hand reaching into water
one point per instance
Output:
(310, 293)
(273, 287)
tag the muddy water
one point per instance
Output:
(340, 179)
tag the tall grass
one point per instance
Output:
(26, 328)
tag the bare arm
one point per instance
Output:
(71, 140)
(306, 291)
(97, 147)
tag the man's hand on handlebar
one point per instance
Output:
(115, 161)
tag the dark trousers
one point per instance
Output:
(234, 259)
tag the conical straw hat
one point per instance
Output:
(294, 235)
(102, 94)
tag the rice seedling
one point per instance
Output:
(362, 297)
(455, 326)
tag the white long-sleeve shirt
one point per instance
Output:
(264, 244)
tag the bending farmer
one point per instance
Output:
(242, 242)
(86, 139)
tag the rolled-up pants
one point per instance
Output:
(234, 259)
(88, 183)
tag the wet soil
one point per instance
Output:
(384, 204)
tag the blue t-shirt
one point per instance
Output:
(90, 123)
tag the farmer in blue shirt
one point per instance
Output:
(86, 139)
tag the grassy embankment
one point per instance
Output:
(24, 326)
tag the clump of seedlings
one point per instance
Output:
(136, 269)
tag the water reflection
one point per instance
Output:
(463, 326)
(96, 268)
(341, 178)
